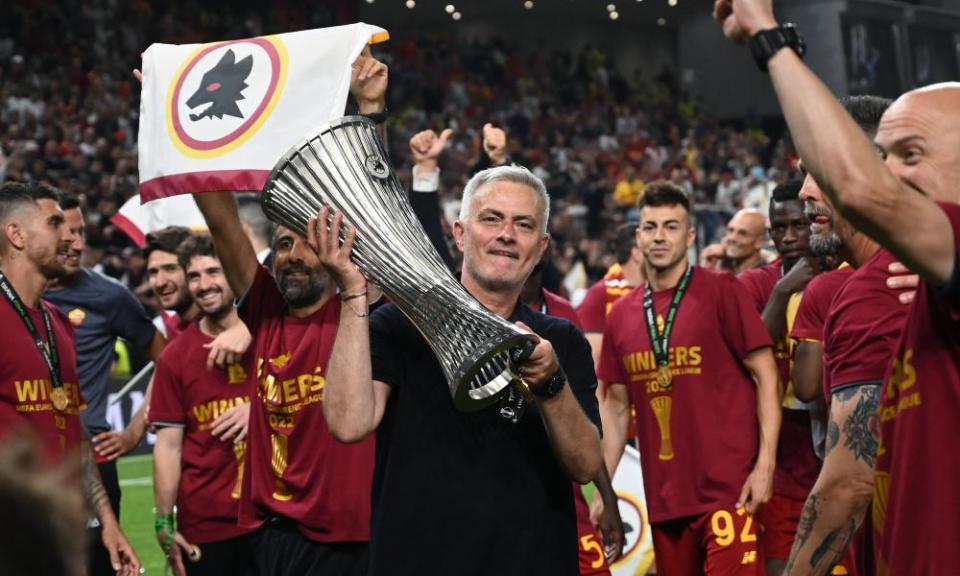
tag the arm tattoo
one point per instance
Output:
(808, 517)
(829, 552)
(862, 427)
(833, 435)
(93, 489)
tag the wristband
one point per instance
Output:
(347, 297)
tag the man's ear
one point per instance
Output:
(14, 235)
(458, 232)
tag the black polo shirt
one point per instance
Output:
(469, 493)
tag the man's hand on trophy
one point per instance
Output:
(334, 255)
(426, 147)
(741, 19)
(495, 144)
(368, 83)
(542, 363)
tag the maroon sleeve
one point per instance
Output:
(610, 369)
(166, 398)
(950, 293)
(263, 299)
(808, 325)
(741, 324)
(752, 282)
(593, 309)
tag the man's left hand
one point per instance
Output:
(111, 445)
(232, 424)
(607, 521)
(229, 346)
(741, 19)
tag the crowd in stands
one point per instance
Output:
(596, 134)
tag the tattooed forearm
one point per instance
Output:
(808, 517)
(861, 428)
(833, 436)
(829, 552)
(93, 489)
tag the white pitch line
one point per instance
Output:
(142, 481)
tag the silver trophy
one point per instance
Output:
(344, 166)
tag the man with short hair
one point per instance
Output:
(745, 238)
(101, 310)
(687, 343)
(906, 200)
(39, 390)
(486, 463)
(776, 291)
(168, 280)
(197, 468)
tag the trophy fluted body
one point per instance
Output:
(344, 166)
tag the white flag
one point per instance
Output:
(137, 220)
(638, 548)
(218, 116)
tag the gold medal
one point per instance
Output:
(59, 398)
(664, 377)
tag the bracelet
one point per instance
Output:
(166, 522)
(344, 297)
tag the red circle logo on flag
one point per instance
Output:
(223, 93)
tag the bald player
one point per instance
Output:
(907, 200)
(746, 235)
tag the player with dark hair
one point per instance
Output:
(776, 291)
(101, 310)
(168, 280)
(686, 344)
(194, 467)
(39, 388)
(906, 200)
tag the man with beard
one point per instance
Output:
(700, 345)
(746, 235)
(194, 469)
(307, 495)
(776, 290)
(862, 325)
(39, 392)
(905, 199)
(101, 310)
(167, 279)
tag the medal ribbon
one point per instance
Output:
(50, 357)
(661, 342)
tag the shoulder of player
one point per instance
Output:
(704, 278)
(619, 311)
(57, 315)
(554, 328)
(187, 341)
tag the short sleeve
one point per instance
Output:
(166, 400)
(610, 369)
(741, 324)
(384, 345)
(949, 293)
(592, 310)
(130, 320)
(263, 299)
(808, 324)
(578, 366)
(750, 281)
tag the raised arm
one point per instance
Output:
(843, 161)
(839, 500)
(775, 312)
(233, 247)
(353, 403)
(426, 147)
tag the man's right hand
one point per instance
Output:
(798, 277)
(177, 550)
(495, 144)
(741, 19)
(426, 147)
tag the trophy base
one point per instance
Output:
(488, 371)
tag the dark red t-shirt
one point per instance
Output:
(592, 559)
(916, 503)
(186, 394)
(817, 297)
(173, 325)
(600, 298)
(797, 464)
(863, 326)
(295, 468)
(25, 382)
(695, 456)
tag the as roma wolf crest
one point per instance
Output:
(221, 88)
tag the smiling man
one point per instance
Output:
(746, 235)
(500, 492)
(685, 343)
